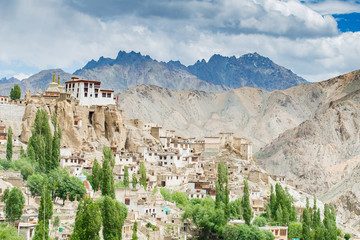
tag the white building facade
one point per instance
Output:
(89, 92)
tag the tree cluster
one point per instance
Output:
(281, 208)
(43, 147)
(15, 92)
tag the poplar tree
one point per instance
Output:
(9, 145)
(245, 204)
(113, 216)
(41, 141)
(55, 157)
(143, 174)
(329, 222)
(96, 175)
(306, 232)
(107, 183)
(126, 177)
(134, 180)
(14, 204)
(45, 214)
(134, 235)
(88, 221)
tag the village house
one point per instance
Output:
(3, 135)
(74, 163)
(280, 232)
(4, 99)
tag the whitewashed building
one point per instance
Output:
(88, 92)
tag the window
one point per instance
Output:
(282, 232)
(85, 94)
(103, 95)
(127, 201)
(96, 95)
(109, 95)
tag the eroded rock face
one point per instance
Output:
(83, 128)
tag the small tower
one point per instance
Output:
(54, 77)
(59, 80)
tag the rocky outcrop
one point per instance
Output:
(83, 128)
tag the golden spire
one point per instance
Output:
(59, 79)
(54, 77)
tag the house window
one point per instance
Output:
(85, 94)
(103, 95)
(109, 95)
(127, 201)
(282, 232)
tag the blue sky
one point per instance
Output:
(315, 39)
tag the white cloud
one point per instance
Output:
(53, 35)
(334, 7)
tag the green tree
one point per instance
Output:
(88, 221)
(5, 195)
(329, 222)
(126, 177)
(45, 214)
(12, 94)
(306, 232)
(96, 175)
(22, 152)
(222, 189)
(295, 230)
(259, 221)
(35, 183)
(134, 235)
(208, 220)
(113, 216)
(245, 204)
(14, 205)
(41, 231)
(56, 223)
(31, 153)
(180, 198)
(55, 150)
(235, 209)
(143, 177)
(347, 236)
(17, 92)
(41, 141)
(9, 232)
(9, 145)
(107, 184)
(134, 180)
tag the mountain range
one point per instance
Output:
(308, 133)
(131, 69)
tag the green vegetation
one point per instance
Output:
(14, 204)
(9, 145)
(347, 236)
(45, 214)
(60, 182)
(222, 189)
(9, 232)
(134, 234)
(107, 183)
(180, 198)
(153, 227)
(126, 177)
(246, 232)
(113, 217)
(143, 177)
(88, 221)
(96, 176)
(43, 147)
(134, 180)
(245, 204)
(15, 92)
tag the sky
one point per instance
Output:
(316, 39)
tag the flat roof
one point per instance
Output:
(85, 81)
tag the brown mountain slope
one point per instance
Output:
(312, 151)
